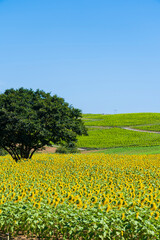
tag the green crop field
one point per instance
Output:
(131, 119)
(117, 137)
(105, 131)
(155, 127)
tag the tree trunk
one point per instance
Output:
(18, 152)
(13, 153)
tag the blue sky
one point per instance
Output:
(100, 56)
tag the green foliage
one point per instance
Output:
(77, 223)
(31, 119)
(2, 152)
(117, 137)
(62, 149)
(67, 148)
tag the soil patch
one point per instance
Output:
(47, 150)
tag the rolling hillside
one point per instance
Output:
(106, 131)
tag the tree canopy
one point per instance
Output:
(29, 120)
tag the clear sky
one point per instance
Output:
(102, 56)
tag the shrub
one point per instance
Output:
(2, 152)
(67, 148)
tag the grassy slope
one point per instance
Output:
(131, 119)
(132, 150)
(116, 137)
(119, 140)
(155, 127)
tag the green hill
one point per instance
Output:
(129, 119)
(106, 131)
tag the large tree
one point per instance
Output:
(29, 120)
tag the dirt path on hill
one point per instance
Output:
(126, 128)
(99, 127)
(139, 130)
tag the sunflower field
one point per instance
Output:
(76, 196)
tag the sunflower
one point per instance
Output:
(123, 216)
(153, 207)
(79, 203)
(156, 215)
(108, 208)
(94, 199)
